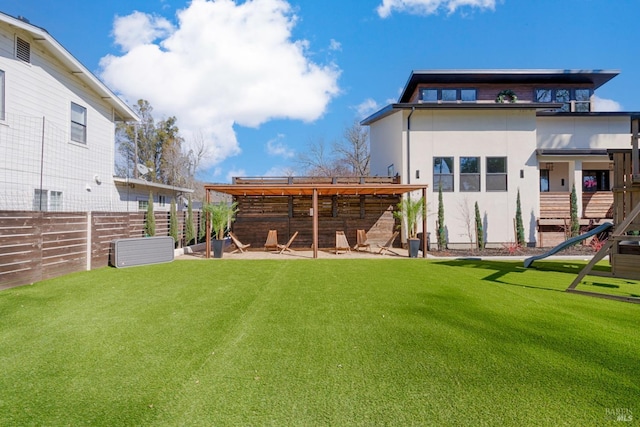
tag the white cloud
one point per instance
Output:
(429, 7)
(367, 107)
(276, 147)
(223, 64)
(601, 104)
(235, 173)
(139, 29)
(335, 45)
(279, 171)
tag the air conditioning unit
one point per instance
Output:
(141, 251)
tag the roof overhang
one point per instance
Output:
(571, 152)
(151, 185)
(393, 108)
(308, 189)
(594, 78)
(42, 37)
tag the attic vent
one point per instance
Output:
(23, 50)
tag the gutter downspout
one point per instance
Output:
(413, 109)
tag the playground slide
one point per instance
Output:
(570, 242)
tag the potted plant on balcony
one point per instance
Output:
(220, 215)
(410, 211)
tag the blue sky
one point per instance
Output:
(260, 80)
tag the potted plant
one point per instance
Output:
(220, 216)
(410, 211)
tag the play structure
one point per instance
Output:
(623, 245)
(568, 243)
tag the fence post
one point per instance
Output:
(89, 240)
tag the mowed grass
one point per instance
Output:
(317, 342)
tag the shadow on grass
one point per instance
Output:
(501, 269)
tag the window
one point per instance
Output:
(447, 95)
(496, 174)
(443, 173)
(162, 200)
(581, 98)
(78, 123)
(143, 205)
(595, 180)
(2, 95)
(469, 173)
(23, 50)
(40, 201)
(544, 180)
(56, 201)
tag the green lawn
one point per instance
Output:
(318, 342)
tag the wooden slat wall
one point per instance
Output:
(39, 245)
(597, 205)
(286, 215)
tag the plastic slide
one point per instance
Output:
(570, 242)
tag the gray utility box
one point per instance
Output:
(141, 251)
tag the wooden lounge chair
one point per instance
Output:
(361, 237)
(341, 242)
(386, 247)
(272, 241)
(286, 247)
(240, 247)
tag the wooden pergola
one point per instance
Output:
(314, 190)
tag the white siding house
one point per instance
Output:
(57, 126)
(451, 129)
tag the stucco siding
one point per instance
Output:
(583, 132)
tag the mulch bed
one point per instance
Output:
(506, 251)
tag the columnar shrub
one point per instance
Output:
(150, 221)
(575, 223)
(442, 236)
(479, 230)
(519, 225)
(190, 229)
(173, 221)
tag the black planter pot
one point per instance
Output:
(218, 248)
(414, 247)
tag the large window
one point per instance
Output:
(579, 98)
(595, 180)
(496, 174)
(78, 123)
(447, 95)
(469, 173)
(443, 173)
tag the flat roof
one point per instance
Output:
(596, 78)
(307, 189)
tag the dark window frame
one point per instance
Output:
(464, 176)
(491, 174)
(438, 176)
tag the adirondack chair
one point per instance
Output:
(286, 247)
(386, 247)
(272, 241)
(341, 242)
(361, 237)
(240, 247)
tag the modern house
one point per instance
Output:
(57, 130)
(485, 135)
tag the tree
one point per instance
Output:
(410, 211)
(575, 223)
(349, 157)
(190, 230)
(352, 153)
(442, 236)
(150, 221)
(479, 229)
(157, 147)
(519, 225)
(173, 222)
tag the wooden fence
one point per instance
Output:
(36, 246)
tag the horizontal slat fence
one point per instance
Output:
(36, 246)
